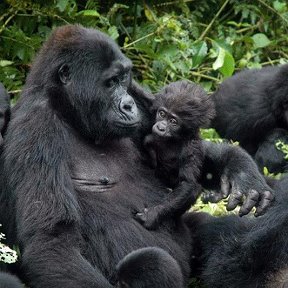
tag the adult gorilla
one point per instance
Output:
(230, 252)
(73, 175)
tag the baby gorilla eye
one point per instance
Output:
(161, 114)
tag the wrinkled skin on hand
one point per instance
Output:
(244, 185)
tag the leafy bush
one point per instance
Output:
(204, 41)
(7, 255)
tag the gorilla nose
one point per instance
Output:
(128, 107)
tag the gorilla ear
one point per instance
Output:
(64, 74)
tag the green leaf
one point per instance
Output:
(224, 62)
(4, 63)
(260, 40)
(279, 6)
(199, 51)
(92, 13)
(149, 15)
(62, 4)
(113, 32)
(229, 65)
(220, 59)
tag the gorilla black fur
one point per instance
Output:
(4, 111)
(6, 280)
(268, 155)
(180, 110)
(149, 267)
(248, 252)
(251, 104)
(9, 281)
(71, 172)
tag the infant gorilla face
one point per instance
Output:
(182, 108)
(167, 124)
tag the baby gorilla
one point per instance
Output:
(175, 147)
(158, 268)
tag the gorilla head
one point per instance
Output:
(97, 104)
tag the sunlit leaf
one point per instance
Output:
(62, 4)
(199, 51)
(4, 63)
(113, 32)
(260, 40)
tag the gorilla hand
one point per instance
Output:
(239, 178)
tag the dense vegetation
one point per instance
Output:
(202, 40)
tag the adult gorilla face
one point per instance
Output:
(90, 78)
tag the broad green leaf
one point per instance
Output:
(260, 40)
(220, 59)
(224, 62)
(228, 66)
(4, 63)
(62, 4)
(279, 6)
(149, 15)
(93, 13)
(113, 32)
(199, 51)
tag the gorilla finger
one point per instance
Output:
(225, 186)
(266, 199)
(235, 198)
(251, 200)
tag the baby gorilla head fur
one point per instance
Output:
(87, 82)
(149, 268)
(181, 109)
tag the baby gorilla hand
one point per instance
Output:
(149, 218)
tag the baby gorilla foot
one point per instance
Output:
(149, 218)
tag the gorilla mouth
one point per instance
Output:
(127, 124)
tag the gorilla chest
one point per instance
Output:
(114, 174)
(103, 168)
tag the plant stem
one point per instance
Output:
(213, 20)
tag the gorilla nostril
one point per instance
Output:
(127, 105)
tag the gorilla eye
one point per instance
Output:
(112, 82)
(173, 121)
(64, 74)
(123, 77)
(161, 114)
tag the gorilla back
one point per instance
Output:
(70, 172)
(251, 104)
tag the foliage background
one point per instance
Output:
(201, 40)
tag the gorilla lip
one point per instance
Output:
(125, 124)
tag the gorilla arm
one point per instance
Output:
(47, 211)
(239, 177)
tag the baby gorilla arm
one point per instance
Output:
(186, 192)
